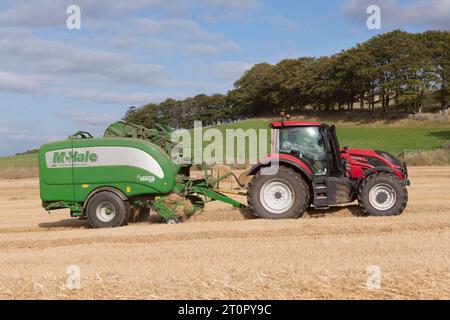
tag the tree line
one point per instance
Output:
(395, 71)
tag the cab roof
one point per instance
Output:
(280, 124)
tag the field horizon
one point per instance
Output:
(395, 135)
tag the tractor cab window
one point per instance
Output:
(306, 143)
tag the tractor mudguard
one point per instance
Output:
(294, 163)
(368, 173)
(109, 189)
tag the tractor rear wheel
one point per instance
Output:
(382, 194)
(107, 210)
(284, 195)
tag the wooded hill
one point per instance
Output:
(395, 71)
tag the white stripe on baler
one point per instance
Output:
(115, 156)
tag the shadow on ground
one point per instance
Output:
(350, 210)
(83, 223)
(344, 211)
(443, 135)
(65, 223)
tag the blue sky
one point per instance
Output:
(55, 81)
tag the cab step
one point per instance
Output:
(320, 193)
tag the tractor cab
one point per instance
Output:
(315, 144)
(315, 147)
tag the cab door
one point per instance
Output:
(337, 169)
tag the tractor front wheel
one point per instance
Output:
(382, 194)
(284, 195)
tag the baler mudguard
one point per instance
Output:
(116, 191)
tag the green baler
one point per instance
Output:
(115, 179)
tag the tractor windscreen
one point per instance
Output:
(305, 143)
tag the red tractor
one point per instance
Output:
(308, 167)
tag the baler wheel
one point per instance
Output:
(107, 210)
(172, 220)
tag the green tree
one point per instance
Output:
(397, 69)
(292, 78)
(436, 46)
(253, 94)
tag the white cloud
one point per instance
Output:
(45, 13)
(228, 9)
(179, 28)
(39, 55)
(282, 23)
(430, 13)
(8, 133)
(35, 14)
(22, 137)
(86, 117)
(227, 70)
(219, 76)
(22, 49)
(12, 82)
(202, 48)
(136, 98)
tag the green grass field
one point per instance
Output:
(394, 138)
(28, 160)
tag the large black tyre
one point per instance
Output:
(382, 194)
(281, 196)
(107, 210)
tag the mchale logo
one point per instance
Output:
(74, 157)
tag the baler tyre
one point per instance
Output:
(107, 210)
(281, 196)
(382, 194)
(172, 220)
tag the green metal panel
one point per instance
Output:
(56, 184)
(134, 166)
(127, 173)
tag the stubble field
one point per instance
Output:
(223, 253)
